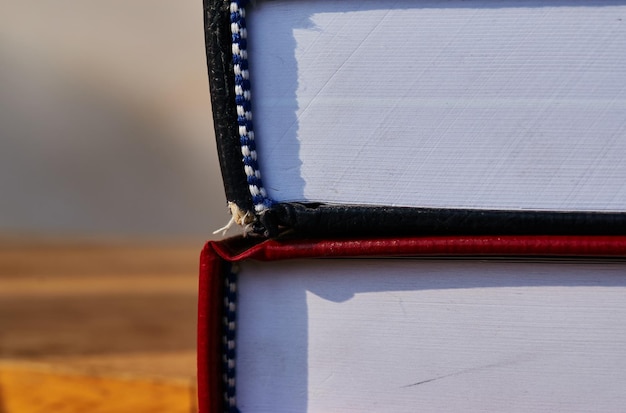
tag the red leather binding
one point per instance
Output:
(237, 249)
(209, 332)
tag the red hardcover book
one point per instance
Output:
(463, 323)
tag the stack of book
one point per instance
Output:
(433, 201)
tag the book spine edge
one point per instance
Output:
(209, 339)
(218, 43)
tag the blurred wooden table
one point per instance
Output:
(98, 327)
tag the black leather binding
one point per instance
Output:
(222, 85)
(351, 220)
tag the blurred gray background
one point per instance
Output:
(105, 120)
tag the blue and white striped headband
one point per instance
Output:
(260, 200)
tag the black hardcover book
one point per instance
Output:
(420, 117)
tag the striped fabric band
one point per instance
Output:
(244, 113)
(229, 341)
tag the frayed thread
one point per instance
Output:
(238, 217)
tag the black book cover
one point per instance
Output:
(226, 48)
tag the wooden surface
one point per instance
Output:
(99, 327)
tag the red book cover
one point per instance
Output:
(515, 323)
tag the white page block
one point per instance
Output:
(407, 335)
(516, 104)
